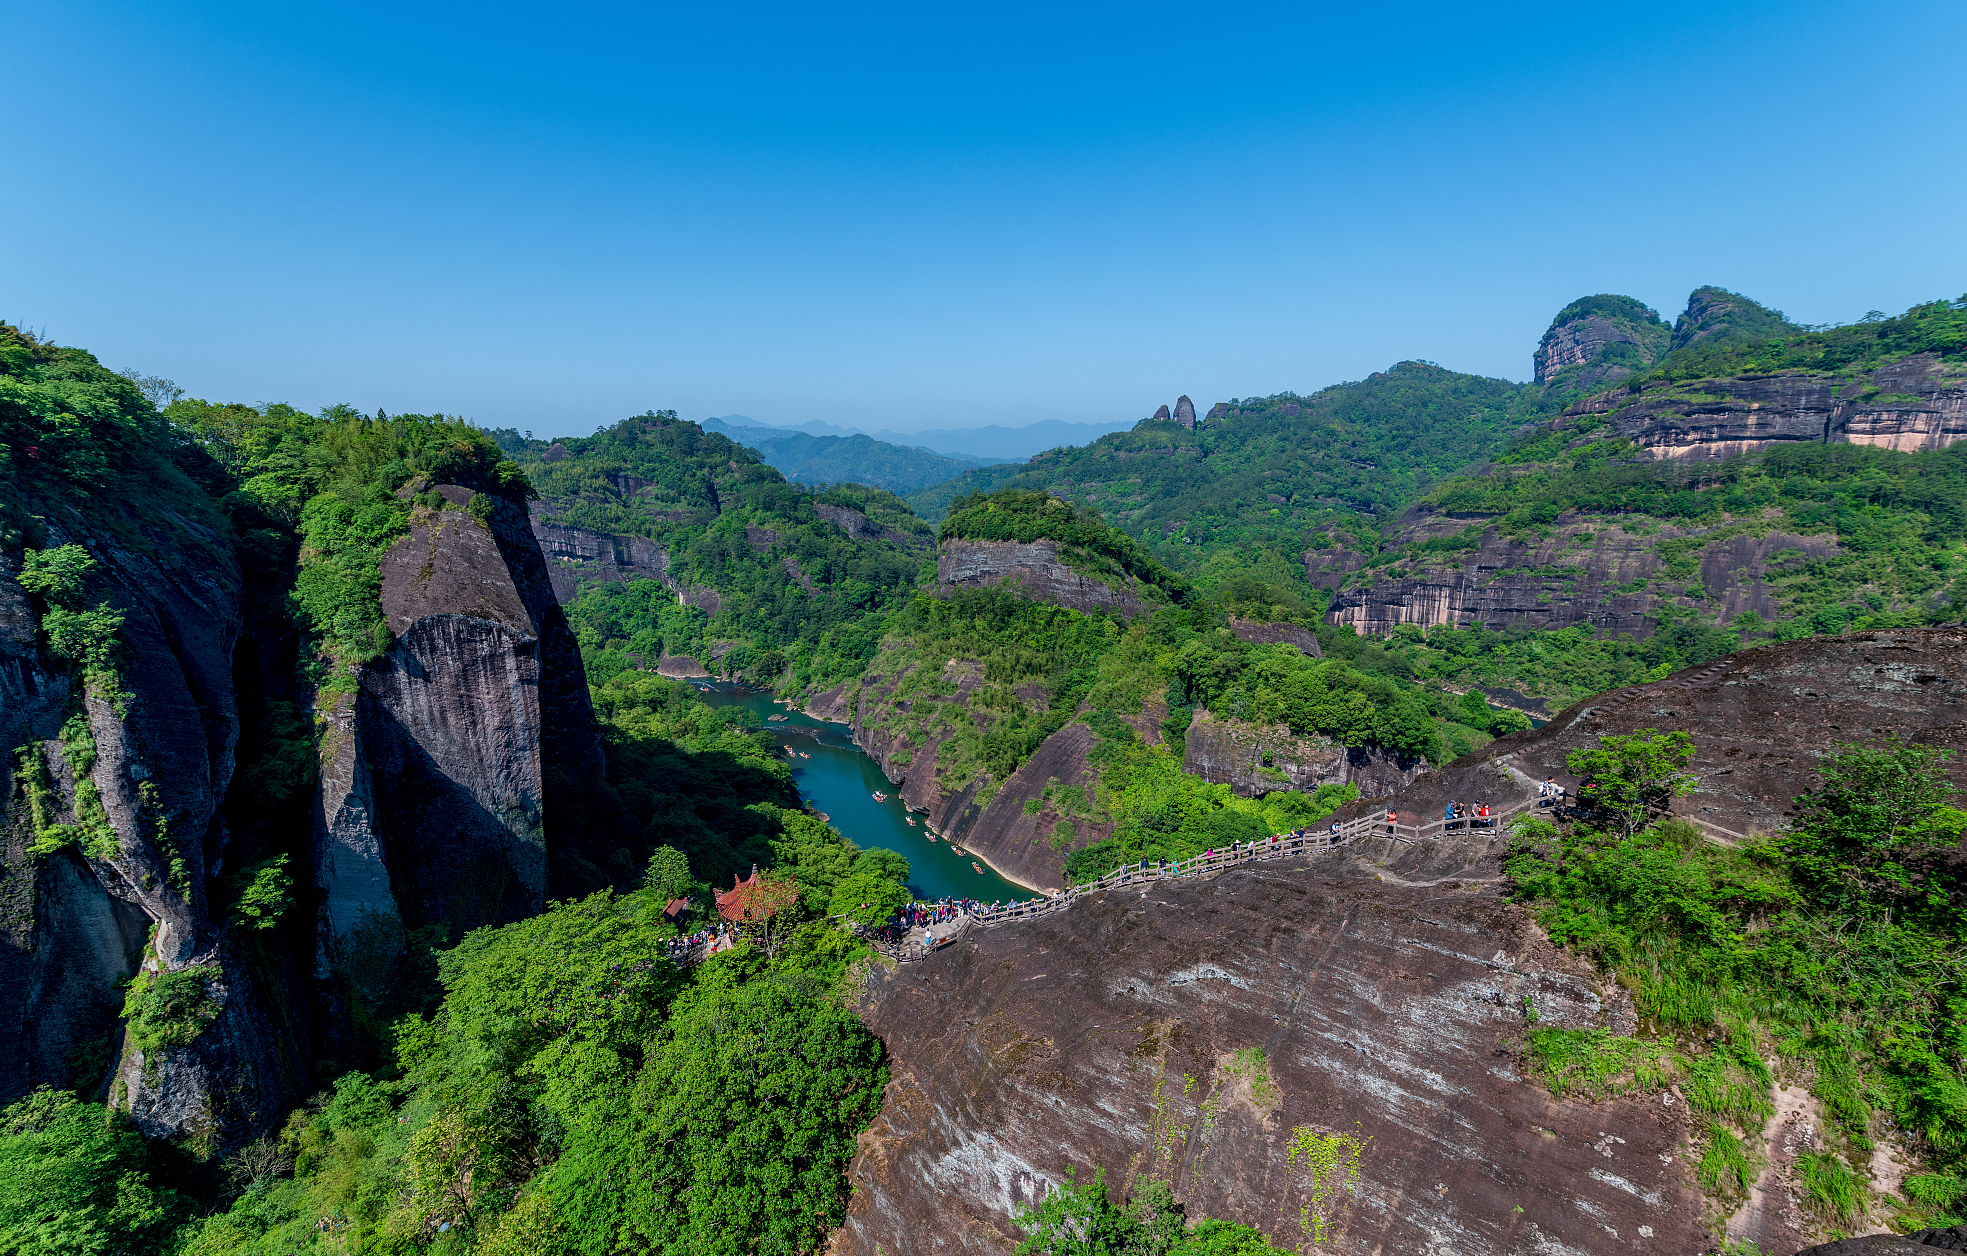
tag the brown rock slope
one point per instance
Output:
(1105, 1036)
(1384, 985)
(1760, 720)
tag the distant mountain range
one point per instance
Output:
(994, 443)
(805, 457)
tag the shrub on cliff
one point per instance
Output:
(1840, 946)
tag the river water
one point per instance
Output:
(837, 778)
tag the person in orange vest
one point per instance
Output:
(1392, 822)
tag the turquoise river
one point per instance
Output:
(838, 779)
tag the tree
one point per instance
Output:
(733, 1135)
(57, 574)
(868, 897)
(73, 1183)
(1877, 831)
(669, 873)
(1628, 779)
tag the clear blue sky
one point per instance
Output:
(933, 215)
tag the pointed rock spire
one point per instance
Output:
(1185, 413)
(1161, 415)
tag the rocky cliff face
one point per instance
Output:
(141, 773)
(1587, 570)
(1909, 405)
(1255, 759)
(1384, 985)
(1036, 569)
(903, 721)
(1715, 315)
(1600, 340)
(438, 776)
(1760, 720)
(1389, 1018)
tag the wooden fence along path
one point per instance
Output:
(1209, 863)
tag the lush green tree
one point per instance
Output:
(1630, 778)
(74, 1182)
(732, 1134)
(1881, 832)
(869, 897)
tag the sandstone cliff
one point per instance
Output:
(905, 721)
(1038, 571)
(438, 776)
(143, 768)
(1912, 404)
(1599, 340)
(1588, 569)
(1255, 759)
(1387, 1015)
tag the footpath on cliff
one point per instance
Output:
(1338, 1048)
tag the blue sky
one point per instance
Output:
(941, 216)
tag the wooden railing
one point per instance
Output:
(1283, 846)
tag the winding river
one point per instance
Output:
(836, 777)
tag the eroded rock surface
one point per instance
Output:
(437, 778)
(1255, 759)
(162, 759)
(1105, 1036)
(1036, 570)
(1760, 720)
(1913, 404)
(1588, 570)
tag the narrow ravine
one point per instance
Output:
(837, 778)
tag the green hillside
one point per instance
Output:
(798, 600)
(1273, 465)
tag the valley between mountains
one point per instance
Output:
(358, 804)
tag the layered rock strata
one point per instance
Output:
(1585, 570)
(1256, 759)
(1036, 570)
(1913, 404)
(1389, 1021)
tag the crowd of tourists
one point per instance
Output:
(680, 948)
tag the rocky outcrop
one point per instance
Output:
(1599, 340)
(1761, 719)
(1185, 413)
(1036, 569)
(1278, 634)
(578, 556)
(153, 755)
(860, 527)
(438, 777)
(1255, 759)
(1389, 1019)
(1587, 569)
(1909, 405)
(1716, 315)
(1160, 416)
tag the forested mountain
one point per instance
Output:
(352, 800)
(1744, 489)
(807, 459)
